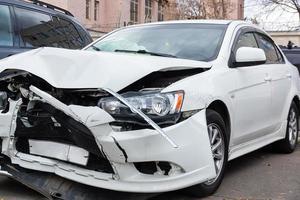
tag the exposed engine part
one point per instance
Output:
(47, 123)
(3, 101)
(40, 124)
(161, 79)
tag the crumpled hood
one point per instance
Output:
(85, 69)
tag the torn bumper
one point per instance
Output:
(191, 162)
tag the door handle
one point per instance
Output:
(288, 75)
(268, 78)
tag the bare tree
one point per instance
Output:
(204, 9)
(219, 8)
(191, 9)
(292, 6)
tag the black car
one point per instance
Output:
(33, 24)
(293, 55)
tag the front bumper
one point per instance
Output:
(192, 158)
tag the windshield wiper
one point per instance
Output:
(95, 48)
(146, 52)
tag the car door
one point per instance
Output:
(281, 78)
(8, 43)
(252, 96)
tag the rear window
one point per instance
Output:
(41, 30)
(65, 30)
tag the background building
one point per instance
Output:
(102, 16)
(204, 9)
(283, 37)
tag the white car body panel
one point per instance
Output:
(252, 97)
(66, 68)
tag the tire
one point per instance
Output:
(289, 143)
(214, 120)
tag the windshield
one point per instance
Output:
(187, 41)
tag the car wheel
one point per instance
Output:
(219, 145)
(289, 143)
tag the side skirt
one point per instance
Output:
(242, 149)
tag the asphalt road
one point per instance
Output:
(260, 175)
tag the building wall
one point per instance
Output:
(59, 3)
(113, 14)
(237, 9)
(283, 37)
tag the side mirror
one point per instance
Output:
(249, 56)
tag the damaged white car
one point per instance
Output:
(149, 108)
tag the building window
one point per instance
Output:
(96, 10)
(160, 16)
(88, 9)
(134, 6)
(148, 10)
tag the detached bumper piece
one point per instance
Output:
(54, 187)
(59, 151)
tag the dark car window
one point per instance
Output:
(72, 37)
(6, 31)
(64, 34)
(269, 48)
(34, 27)
(246, 40)
(38, 30)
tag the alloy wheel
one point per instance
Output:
(218, 149)
(292, 127)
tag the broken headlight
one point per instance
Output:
(161, 107)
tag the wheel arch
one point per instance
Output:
(221, 108)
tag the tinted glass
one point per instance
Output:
(34, 28)
(270, 49)
(72, 37)
(280, 57)
(38, 30)
(6, 33)
(247, 40)
(187, 41)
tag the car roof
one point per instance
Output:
(202, 21)
(36, 7)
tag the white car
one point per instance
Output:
(149, 108)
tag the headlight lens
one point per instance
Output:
(150, 103)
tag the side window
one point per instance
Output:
(65, 35)
(42, 30)
(6, 29)
(246, 40)
(34, 28)
(270, 50)
(280, 57)
(72, 36)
